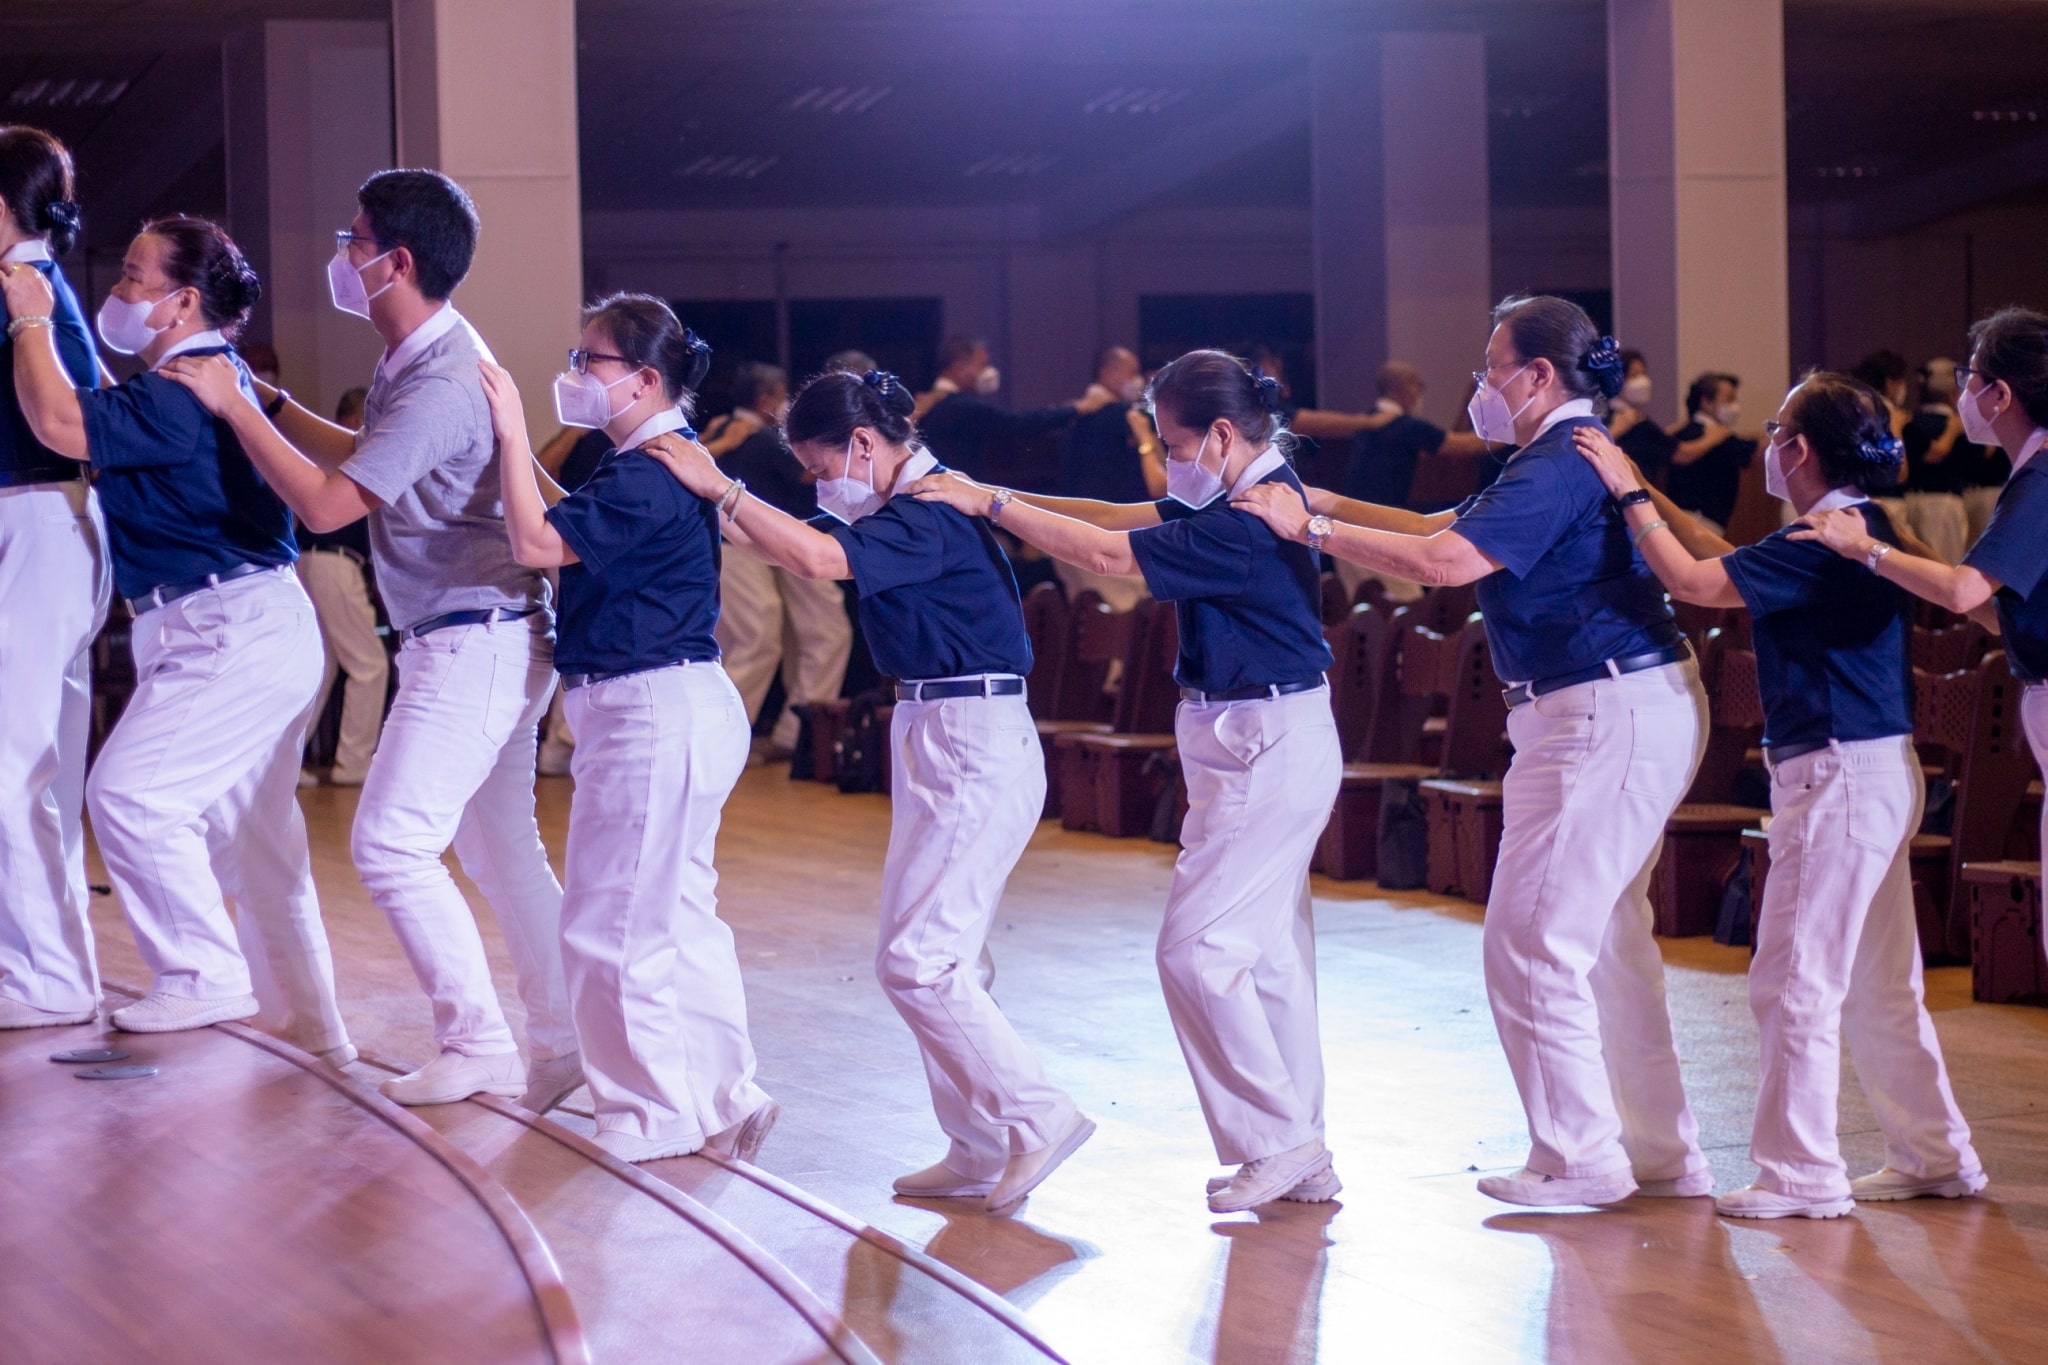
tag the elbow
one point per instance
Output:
(320, 521)
(821, 565)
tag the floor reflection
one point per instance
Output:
(1273, 1283)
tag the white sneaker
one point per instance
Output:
(17, 1014)
(338, 1057)
(553, 759)
(1883, 1186)
(160, 1013)
(1026, 1172)
(1754, 1201)
(1685, 1187)
(1318, 1188)
(942, 1182)
(551, 1081)
(1533, 1189)
(742, 1141)
(453, 1076)
(1270, 1177)
(627, 1147)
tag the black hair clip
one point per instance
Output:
(62, 213)
(1886, 451)
(1269, 390)
(700, 358)
(1604, 363)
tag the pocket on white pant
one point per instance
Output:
(1660, 750)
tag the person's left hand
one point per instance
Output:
(28, 294)
(691, 464)
(1841, 530)
(214, 380)
(1615, 469)
(1278, 505)
(962, 495)
(508, 415)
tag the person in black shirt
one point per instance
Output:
(963, 428)
(334, 568)
(1706, 473)
(1629, 422)
(764, 603)
(1383, 462)
(1111, 455)
(1938, 462)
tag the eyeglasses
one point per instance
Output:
(579, 359)
(1480, 377)
(1775, 430)
(344, 236)
(1963, 373)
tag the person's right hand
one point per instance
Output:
(691, 464)
(1614, 467)
(28, 294)
(508, 416)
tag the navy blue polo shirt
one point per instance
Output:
(937, 598)
(1710, 484)
(2014, 551)
(1098, 461)
(1571, 592)
(645, 593)
(181, 499)
(1249, 604)
(1832, 638)
(21, 455)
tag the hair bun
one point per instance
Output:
(1883, 451)
(1604, 363)
(61, 219)
(236, 281)
(1268, 389)
(895, 395)
(700, 359)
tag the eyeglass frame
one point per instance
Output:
(580, 358)
(1773, 429)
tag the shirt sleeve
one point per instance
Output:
(616, 510)
(1518, 517)
(1778, 573)
(148, 422)
(2012, 548)
(1425, 438)
(416, 431)
(1206, 554)
(902, 544)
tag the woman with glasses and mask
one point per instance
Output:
(654, 982)
(1608, 721)
(194, 796)
(1837, 953)
(53, 600)
(1258, 746)
(940, 610)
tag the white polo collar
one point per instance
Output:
(1837, 498)
(1258, 469)
(667, 420)
(29, 249)
(920, 463)
(2027, 451)
(438, 324)
(198, 341)
(1577, 407)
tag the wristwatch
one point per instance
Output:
(998, 500)
(276, 405)
(1632, 498)
(1878, 550)
(1319, 529)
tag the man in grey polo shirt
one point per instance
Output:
(455, 763)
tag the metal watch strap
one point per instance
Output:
(998, 500)
(1878, 550)
(1319, 529)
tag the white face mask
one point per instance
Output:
(1491, 420)
(1976, 426)
(345, 284)
(846, 497)
(584, 400)
(1635, 391)
(1193, 483)
(1728, 414)
(124, 326)
(1774, 473)
(988, 381)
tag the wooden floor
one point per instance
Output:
(1117, 1259)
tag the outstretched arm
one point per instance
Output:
(1958, 587)
(1063, 537)
(1437, 559)
(1400, 520)
(803, 550)
(1688, 576)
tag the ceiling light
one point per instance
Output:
(60, 92)
(839, 99)
(1014, 163)
(725, 167)
(1139, 99)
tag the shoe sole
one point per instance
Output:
(53, 1021)
(1316, 1166)
(1323, 1192)
(1000, 1198)
(509, 1092)
(977, 1190)
(1601, 1200)
(1947, 1189)
(1815, 1211)
(206, 1020)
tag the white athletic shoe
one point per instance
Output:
(627, 1147)
(1318, 1188)
(453, 1076)
(742, 1141)
(1270, 1177)
(941, 1181)
(1685, 1187)
(1027, 1171)
(338, 1057)
(552, 1080)
(160, 1013)
(1754, 1201)
(16, 1014)
(1883, 1186)
(1533, 1189)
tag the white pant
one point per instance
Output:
(1838, 956)
(769, 616)
(1237, 951)
(1572, 971)
(967, 789)
(54, 587)
(456, 765)
(194, 796)
(653, 978)
(1398, 589)
(348, 637)
(1119, 591)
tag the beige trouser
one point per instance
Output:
(769, 617)
(348, 638)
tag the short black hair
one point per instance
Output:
(429, 215)
(2011, 346)
(1705, 387)
(956, 349)
(756, 379)
(1880, 368)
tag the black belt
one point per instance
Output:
(70, 472)
(468, 618)
(1613, 668)
(572, 681)
(1269, 691)
(166, 593)
(1785, 753)
(989, 685)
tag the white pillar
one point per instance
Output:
(308, 120)
(1696, 132)
(486, 94)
